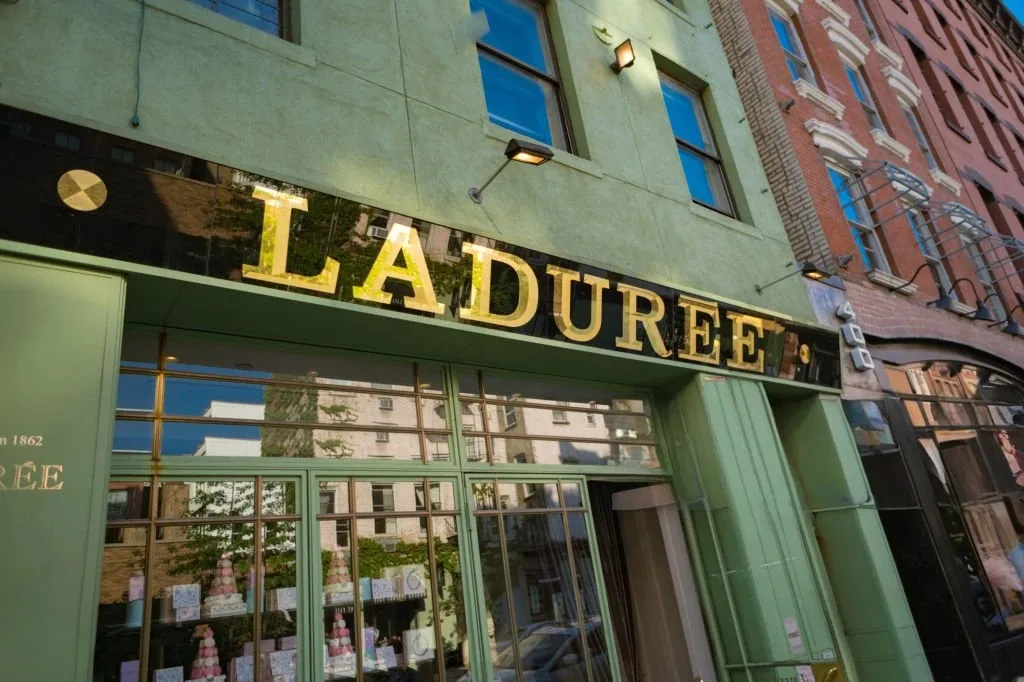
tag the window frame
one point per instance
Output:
(872, 242)
(931, 250)
(867, 20)
(284, 14)
(806, 71)
(555, 80)
(917, 128)
(868, 105)
(389, 523)
(715, 158)
(123, 155)
(983, 272)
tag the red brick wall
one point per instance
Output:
(748, 35)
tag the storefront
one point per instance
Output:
(283, 436)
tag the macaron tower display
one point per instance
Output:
(206, 667)
(341, 657)
(337, 582)
(224, 598)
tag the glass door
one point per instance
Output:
(543, 605)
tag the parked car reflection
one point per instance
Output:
(553, 651)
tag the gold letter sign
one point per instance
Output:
(277, 218)
(747, 332)
(479, 309)
(402, 239)
(649, 321)
(562, 303)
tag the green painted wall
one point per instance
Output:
(867, 588)
(760, 564)
(381, 101)
(58, 363)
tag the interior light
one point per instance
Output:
(624, 57)
(171, 358)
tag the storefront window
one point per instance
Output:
(229, 401)
(974, 456)
(512, 421)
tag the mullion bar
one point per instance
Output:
(575, 584)
(147, 592)
(508, 586)
(257, 588)
(521, 65)
(550, 406)
(488, 441)
(227, 421)
(280, 383)
(526, 436)
(357, 602)
(431, 572)
(419, 412)
(700, 152)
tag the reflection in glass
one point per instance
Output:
(202, 604)
(397, 608)
(279, 498)
(136, 392)
(533, 451)
(996, 532)
(590, 601)
(338, 598)
(280, 589)
(133, 437)
(207, 499)
(122, 594)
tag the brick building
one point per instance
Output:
(892, 132)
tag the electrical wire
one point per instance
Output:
(136, 121)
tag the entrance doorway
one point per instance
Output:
(652, 596)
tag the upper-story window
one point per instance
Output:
(122, 154)
(863, 95)
(517, 63)
(269, 16)
(68, 141)
(865, 16)
(789, 39)
(922, 139)
(702, 164)
(933, 254)
(859, 218)
(988, 285)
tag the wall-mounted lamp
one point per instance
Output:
(946, 302)
(1010, 325)
(624, 56)
(807, 269)
(517, 150)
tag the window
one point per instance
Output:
(789, 39)
(383, 437)
(934, 85)
(122, 155)
(510, 416)
(166, 166)
(517, 63)
(68, 141)
(421, 503)
(117, 509)
(965, 102)
(378, 225)
(922, 139)
(696, 146)
(383, 500)
(859, 218)
(591, 419)
(985, 277)
(922, 229)
(269, 16)
(454, 243)
(386, 404)
(863, 95)
(986, 141)
(559, 416)
(865, 16)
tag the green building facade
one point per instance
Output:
(279, 400)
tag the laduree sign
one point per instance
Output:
(226, 223)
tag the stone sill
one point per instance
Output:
(811, 92)
(841, 15)
(892, 282)
(888, 54)
(883, 139)
(947, 181)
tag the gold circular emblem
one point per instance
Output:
(805, 353)
(82, 190)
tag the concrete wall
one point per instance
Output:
(381, 101)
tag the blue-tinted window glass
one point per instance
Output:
(263, 15)
(854, 78)
(682, 114)
(132, 437)
(136, 392)
(516, 28)
(697, 178)
(793, 70)
(783, 33)
(858, 238)
(518, 102)
(845, 197)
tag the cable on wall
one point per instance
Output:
(136, 121)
